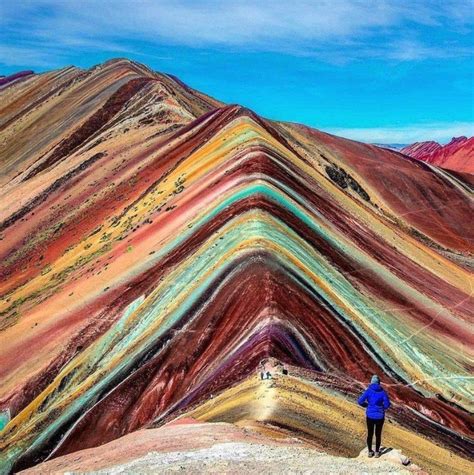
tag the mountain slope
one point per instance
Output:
(457, 155)
(157, 245)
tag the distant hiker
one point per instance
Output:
(376, 400)
(269, 375)
(262, 375)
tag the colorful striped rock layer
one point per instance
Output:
(157, 245)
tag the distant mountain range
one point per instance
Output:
(391, 146)
(457, 155)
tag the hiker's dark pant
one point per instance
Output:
(376, 424)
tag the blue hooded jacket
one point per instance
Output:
(377, 401)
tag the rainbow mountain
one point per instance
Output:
(157, 245)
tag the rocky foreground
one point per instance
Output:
(191, 447)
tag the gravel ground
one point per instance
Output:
(250, 458)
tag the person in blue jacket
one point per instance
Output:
(376, 400)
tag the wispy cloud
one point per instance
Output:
(333, 30)
(440, 132)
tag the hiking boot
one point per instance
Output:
(371, 453)
(378, 454)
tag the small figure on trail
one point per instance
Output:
(262, 375)
(269, 375)
(376, 400)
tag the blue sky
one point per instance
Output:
(391, 71)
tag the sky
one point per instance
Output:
(384, 71)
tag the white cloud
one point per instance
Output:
(333, 30)
(439, 132)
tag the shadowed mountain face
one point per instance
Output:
(457, 155)
(156, 245)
